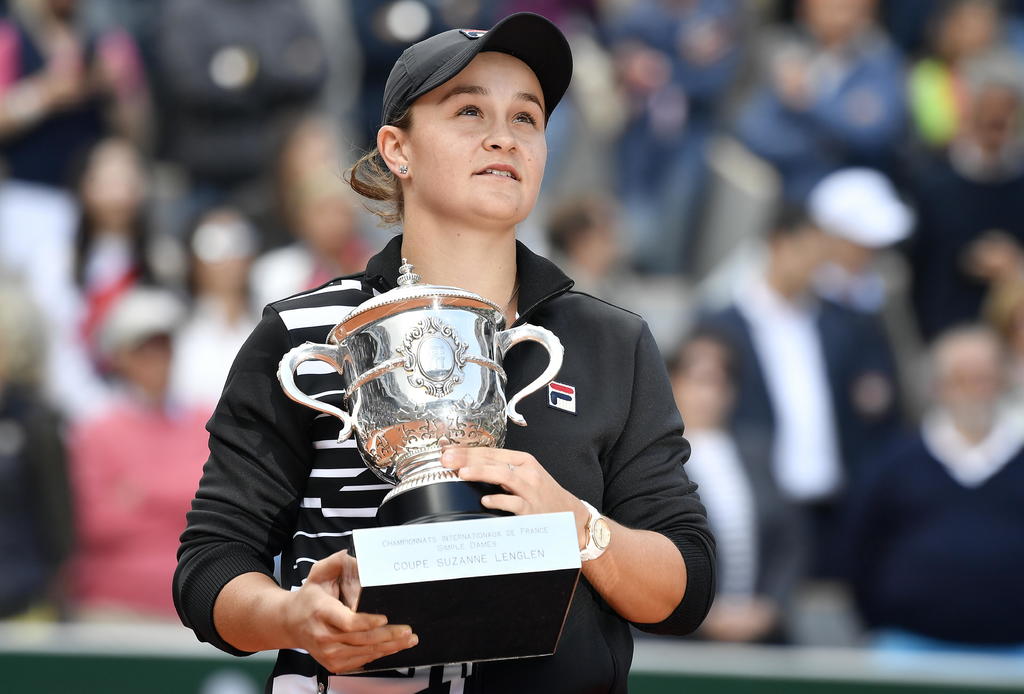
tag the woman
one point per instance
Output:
(111, 253)
(221, 249)
(760, 543)
(461, 156)
(319, 215)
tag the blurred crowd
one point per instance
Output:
(818, 205)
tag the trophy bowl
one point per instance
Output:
(422, 370)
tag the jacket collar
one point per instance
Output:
(539, 278)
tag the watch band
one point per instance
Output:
(592, 550)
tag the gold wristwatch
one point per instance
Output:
(599, 534)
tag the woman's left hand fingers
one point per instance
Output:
(457, 458)
(531, 489)
(478, 465)
(504, 502)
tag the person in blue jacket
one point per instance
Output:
(833, 96)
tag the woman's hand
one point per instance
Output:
(530, 488)
(253, 613)
(338, 638)
(633, 558)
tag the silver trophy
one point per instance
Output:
(422, 370)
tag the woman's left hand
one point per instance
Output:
(634, 557)
(530, 488)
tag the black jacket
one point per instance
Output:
(272, 481)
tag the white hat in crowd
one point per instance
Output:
(862, 206)
(139, 314)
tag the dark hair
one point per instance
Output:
(790, 218)
(680, 358)
(85, 229)
(371, 178)
(571, 221)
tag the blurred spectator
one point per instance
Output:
(319, 211)
(760, 541)
(111, 254)
(135, 468)
(561, 12)
(583, 233)
(862, 214)
(1004, 311)
(221, 249)
(385, 28)
(676, 60)
(833, 96)
(111, 245)
(339, 97)
(935, 525)
(234, 74)
(323, 217)
(61, 90)
(961, 30)
(310, 148)
(865, 219)
(36, 530)
(970, 201)
(908, 22)
(816, 380)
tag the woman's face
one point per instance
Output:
(702, 386)
(476, 148)
(113, 186)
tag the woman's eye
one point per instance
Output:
(525, 118)
(469, 111)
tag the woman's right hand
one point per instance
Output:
(340, 639)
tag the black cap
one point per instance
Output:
(433, 61)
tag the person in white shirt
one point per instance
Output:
(817, 381)
(221, 250)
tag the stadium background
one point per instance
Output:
(170, 166)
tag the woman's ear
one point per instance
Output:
(391, 143)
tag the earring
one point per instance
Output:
(403, 169)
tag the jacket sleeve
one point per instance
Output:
(647, 488)
(251, 485)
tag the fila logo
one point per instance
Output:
(562, 397)
(472, 33)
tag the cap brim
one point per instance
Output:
(527, 36)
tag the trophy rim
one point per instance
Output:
(383, 306)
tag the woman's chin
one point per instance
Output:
(505, 213)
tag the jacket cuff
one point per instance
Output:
(197, 587)
(700, 588)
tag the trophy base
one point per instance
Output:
(444, 500)
(472, 590)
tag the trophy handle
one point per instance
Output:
(286, 376)
(522, 333)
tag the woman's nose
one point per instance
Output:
(500, 138)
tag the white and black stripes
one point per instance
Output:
(340, 492)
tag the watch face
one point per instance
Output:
(602, 533)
